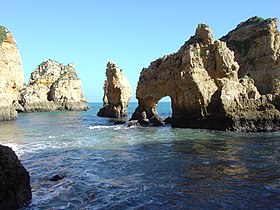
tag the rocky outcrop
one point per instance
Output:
(202, 81)
(53, 86)
(15, 188)
(11, 75)
(256, 45)
(117, 93)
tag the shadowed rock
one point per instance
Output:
(56, 178)
(15, 188)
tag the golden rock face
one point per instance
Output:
(202, 80)
(53, 86)
(256, 45)
(117, 93)
(11, 75)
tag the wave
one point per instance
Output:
(98, 127)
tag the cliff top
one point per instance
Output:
(5, 35)
(251, 27)
(51, 70)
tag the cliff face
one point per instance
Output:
(11, 75)
(202, 82)
(256, 45)
(117, 93)
(15, 188)
(53, 86)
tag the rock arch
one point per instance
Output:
(202, 81)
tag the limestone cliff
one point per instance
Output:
(256, 45)
(15, 188)
(53, 86)
(11, 75)
(117, 93)
(202, 81)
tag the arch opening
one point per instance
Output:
(164, 107)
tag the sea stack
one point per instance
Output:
(202, 81)
(11, 75)
(117, 93)
(15, 188)
(52, 87)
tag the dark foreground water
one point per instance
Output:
(115, 167)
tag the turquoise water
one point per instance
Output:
(106, 166)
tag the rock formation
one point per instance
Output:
(15, 188)
(53, 86)
(256, 45)
(117, 93)
(202, 81)
(11, 75)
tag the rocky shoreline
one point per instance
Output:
(227, 84)
(232, 83)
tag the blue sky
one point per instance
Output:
(132, 33)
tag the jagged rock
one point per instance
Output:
(11, 75)
(156, 121)
(133, 123)
(53, 86)
(202, 81)
(117, 93)
(168, 120)
(15, 188)
(256, 45)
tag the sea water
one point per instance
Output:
(107, 166)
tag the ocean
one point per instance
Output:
(107, 166)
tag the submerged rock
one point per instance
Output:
(15, 188)
(53, 86)
(117, 93)
(56, 178)
(202, 81)
(11, 75)
(119, 122)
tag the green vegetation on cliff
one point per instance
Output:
(3, 34)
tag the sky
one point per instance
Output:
(132, 33)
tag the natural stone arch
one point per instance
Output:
(179, 76)
(202, 81)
